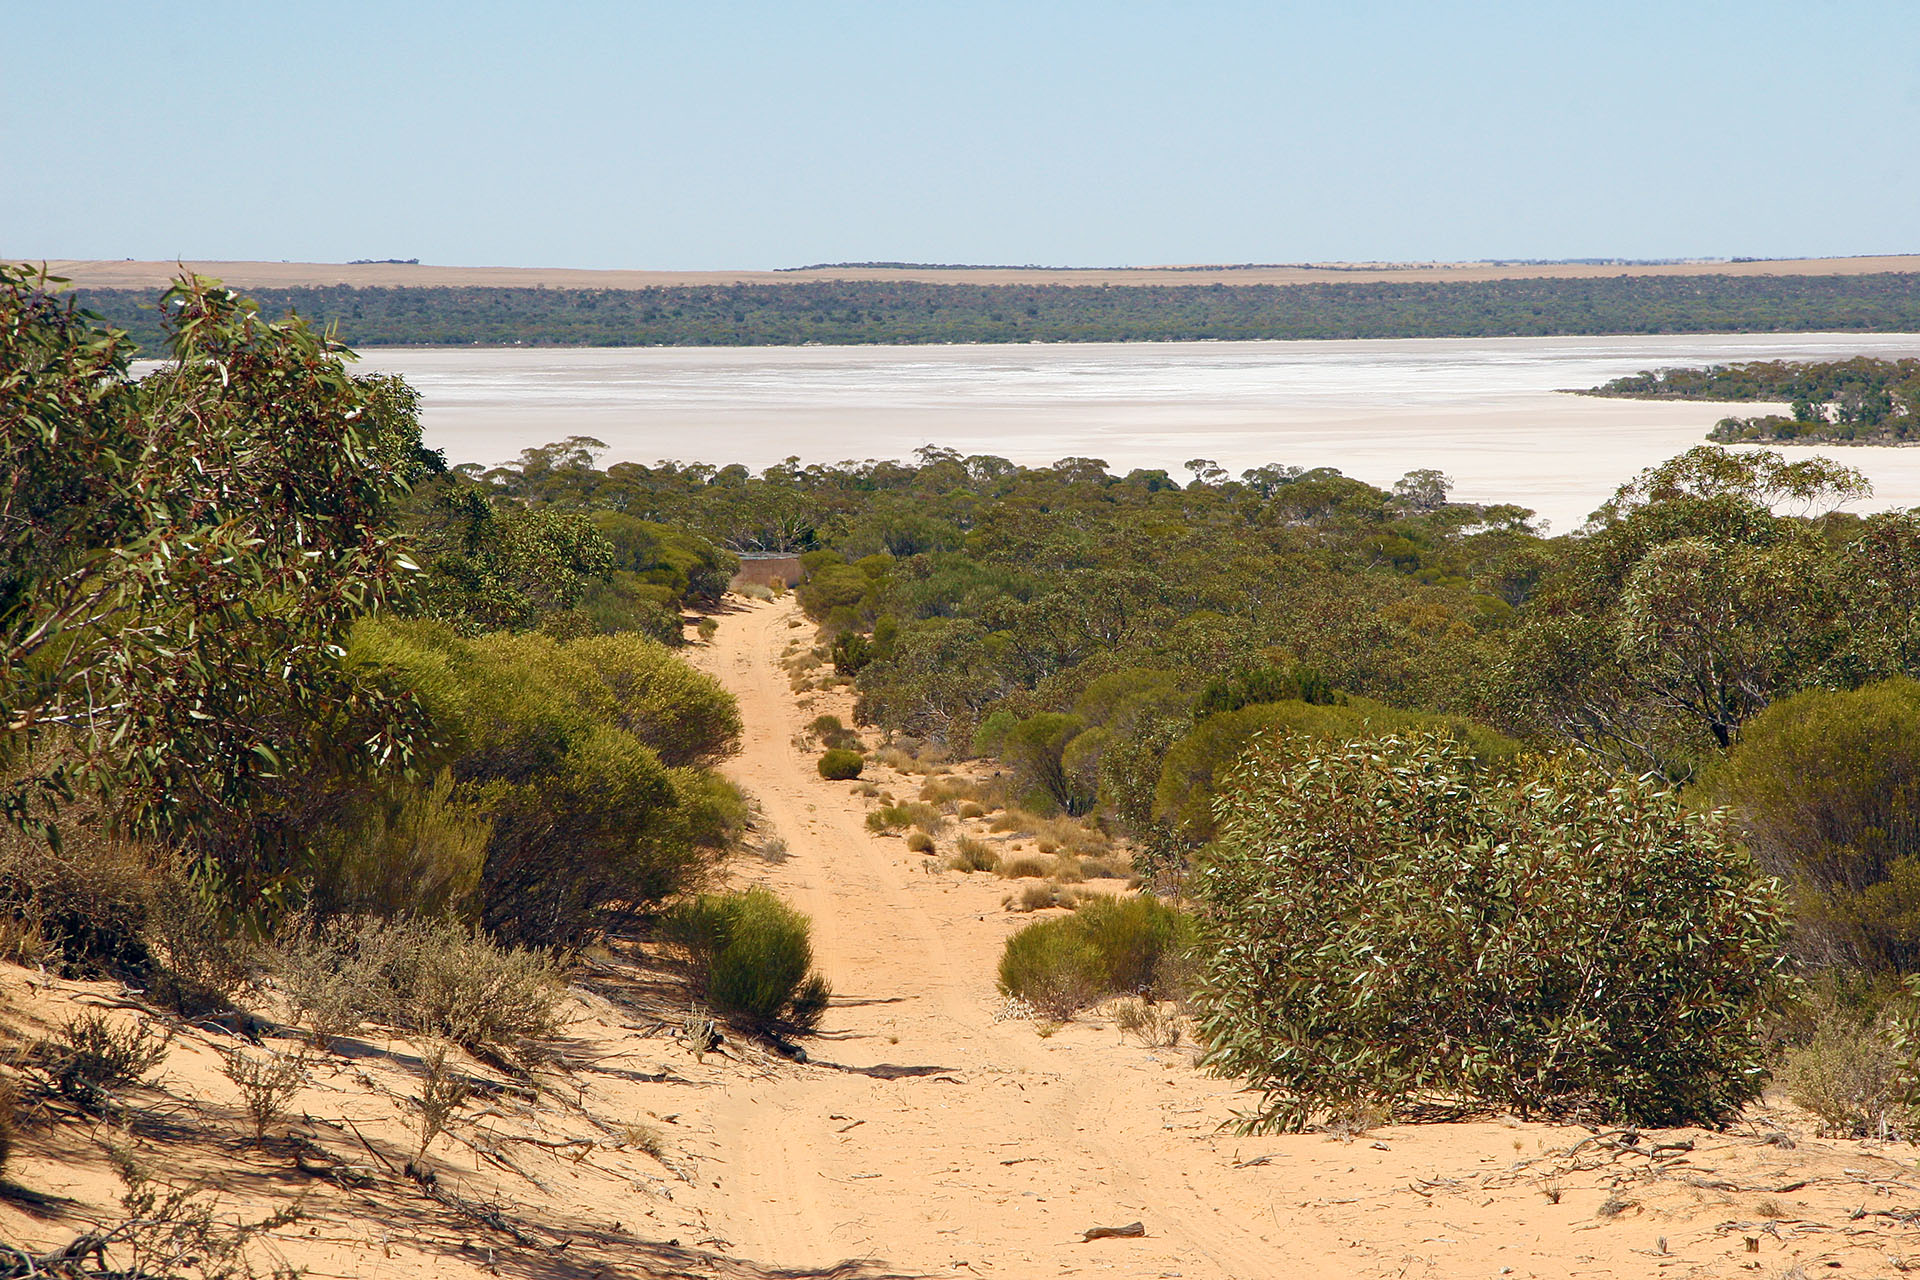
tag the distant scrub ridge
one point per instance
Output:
(860, 312)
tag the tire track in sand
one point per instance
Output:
(923, 1132)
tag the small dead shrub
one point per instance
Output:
(1101, 869)
(175, 1230)
(647, 1138)
(920, 842)
(443, 1091)
(894, 758)
(1038, 897)
(434, 977)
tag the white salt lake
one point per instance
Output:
(1488, 412)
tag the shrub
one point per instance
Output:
(1025, 868)
(920, 842)
(436, 978)
(892, 817)
(1602, 950)
(589, 757)
(1108, 946)
(1035, 751)
(88, 1060)
(830, 732)
(1145, 1020)
(1826, 788)
(1035, 897)
(1195, 765)
(81, 909)
(841, 765)
(1853, 1075)
(972, 810)
(417, 852)
(752, 958)
(895, 758)
(974, 855)
(267, 1084)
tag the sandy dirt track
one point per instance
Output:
(111, 274)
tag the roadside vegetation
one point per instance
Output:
(306, 730)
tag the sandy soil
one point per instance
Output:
(928, 1135)
(108, 274)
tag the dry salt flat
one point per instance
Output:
(1491, 413)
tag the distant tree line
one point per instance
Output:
(860, 312)
(1857, 401)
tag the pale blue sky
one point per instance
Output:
(755, 135)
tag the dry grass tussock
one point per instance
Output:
(434, 978)
(973, 855)
(1055, 834)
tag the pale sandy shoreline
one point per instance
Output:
(128, 274)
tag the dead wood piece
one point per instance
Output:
(1130, 1231)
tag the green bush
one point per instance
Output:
(841, 765)
(1107, 947)
(417, 852)
(752, 958)
(589, 758)
(1826, 788)
(829, 732)
(1595, 948)
(1035, 751)
(1189, 776)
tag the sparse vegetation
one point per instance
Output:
(438, 979)
(974, 855)
(90, 1060)
(267, 1083)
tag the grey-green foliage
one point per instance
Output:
(436, 978)
(1197, 763)
(1390, 923)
